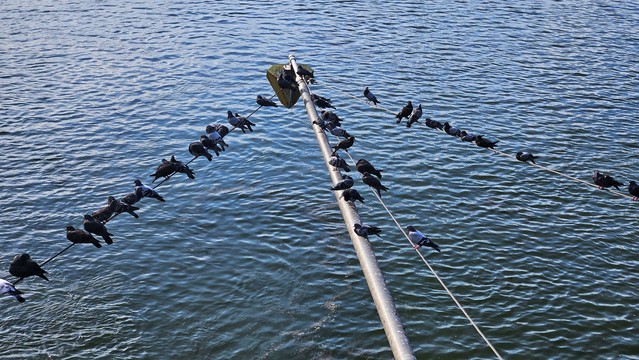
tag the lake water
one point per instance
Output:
(251, 259)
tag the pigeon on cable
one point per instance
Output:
(79, 236)
(23, 266)
(95, 227)
(466, 136)
(344, 145)
(321, 102)
(604, 180)
(165, 169)
(209, 144)
(351, 194)
(404, 112)
(216, 136)
(197, 149)
(331, 118)
(105, 213)
(285, 81)
(145, 191)
(337, 131)
(365, 230)
(222, 129)
(414, 116)
(6, 288)
(183, 168)
(262, 101)
(434, 124)
(420, 239)
(338, 162)
(305, 73)
(526, 157)
(245, 121)
(347, 182)
(126, 204)
(321, 123)
(362, 165)
(485, 143)
(633, 189)
(450, 130)
(373, 182)
(370, 97)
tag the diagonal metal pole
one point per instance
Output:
(381, 295)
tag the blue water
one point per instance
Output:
(251, 259)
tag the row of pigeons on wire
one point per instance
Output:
(94, 224)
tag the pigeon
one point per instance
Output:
(145, 191)
(285, 81)
(434, 124)
(605, 181)
(337, 131)
(450, 130)
(365, 230)
(209, 144)
(245, 121)
(347, 182)
(95, 227)
(239, 121)
(321, 123)
(373, 182)
(79, 236)
(466, 136)
(182, 168)
(262, 101)
(106, 212)
(305, 73)
(126, 204)
(6, 288)
(404, 112)
(485, 143)
(526, 157)
(321, 102)
(222, 129)
(352, 195)
(420, 239)
(197, 149)
(633, 189)
(363, 166)
(371, 98)
(414, 116)
(344, 145)
(331, 118)
(22, 266)
(338, 162)
(165, 169)
(216, 137)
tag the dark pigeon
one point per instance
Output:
(22, 266)
(404, 112)
(420, 239)
(6, 288)
(347, 182)
(285, 81)
(466, 136)
(197, 149)
(165, 169)
(450, 130)
(365, 230)
(373, 182)
(183, 168)
(485, 143)
(633, 189)
(434, 124)
(338, 162)
(370, 97)
(352, 195)
(262, 101)
(605, 181)
(414, 116)
(106, 212)
(526, 157)
(344, 144)
(79, 236)
(145, 191)
(126, 204)
(95, 227)
(245, 121)
(331, 118)
(321, 102)
(209, 144)
(305, 73)
(363, 166)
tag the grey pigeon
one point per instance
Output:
(344, 144)
(434, 124)
(466, 136)
(352, 195)
(262, 101)
(210, 144)
(404, 112)
(365, 230)
(363, 166)
(347, 182)
(604, 180)
(22, 266)
(420, 239)
(414, 116)
(370, 97)
(373, 182)
(95, 227)
(79, 236)
(337, 131)
(126, 204)
(338, 162)
(6, 288)
(142, 190)
(331, 117)
(633, 189)
(450, 130)
(197, 149)
(526, 157)
(216, 136)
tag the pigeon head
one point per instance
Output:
(137, 182)
(173, 157)
(70, 228)
(24, 256)
(110, 198)
(410, 228)
(229, 114)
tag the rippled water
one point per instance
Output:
(251, 260)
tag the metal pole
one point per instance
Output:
(381, 296)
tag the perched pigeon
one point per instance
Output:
(209, 144)
(347, 182)
(183, 168)
(321, 102)
(165, 169)
(605, 181)
(79, 236)
(373, 182)
(365, 230)
(352, 195)
(450, 130)
(245, 121)
(420, 239)
(22, 266)
(633, 189)
(95, 227)
(197, 149)
(466, 136)
(370, 97)
(285, 81)
(126, 204)
(404, 112)
(216, 136)
(344, 144)
(526, 157)
(262, 101)
(331, 118)
(145, 191)
(6, 288)
(105, 213)
(414, 116)
(337, 131)
(305, 73)
(434, 124)
(338, 162)
(239, 121)
(221, 129)
(363, 166)
(485, 143)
